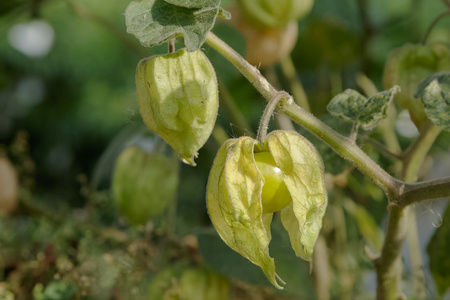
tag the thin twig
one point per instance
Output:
(171, 45)
(433, 24)
(381, 148)
(447, 2)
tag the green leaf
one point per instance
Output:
(376, 108)
(195, 3)
(155, 21)
(303, 175)
(229, 263)
(215, 253)
(438, 250)
(347, 106)
(351, 106)
(366, 224)
(55, 290)
(436, 98)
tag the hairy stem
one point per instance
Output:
(345, 148)
(389, 264)
(267, 115)
(394, 188)
(426, 190)
(250, 72)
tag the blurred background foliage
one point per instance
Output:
(68, 108)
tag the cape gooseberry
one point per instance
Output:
(275, 194)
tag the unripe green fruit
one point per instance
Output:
(144, 184)
(275, 195)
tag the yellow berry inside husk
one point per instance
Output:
(275, 195)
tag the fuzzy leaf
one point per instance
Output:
(436, 99)
(351, 106)
(376, 108)
(347, 106)
(178, 99)
(303, 169)
(234, 204)
(155, 21)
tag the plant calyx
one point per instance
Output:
(249, 181)
(178, 99)
(269, 13)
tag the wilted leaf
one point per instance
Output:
(436, 99)
(303, 170)
(155, 21)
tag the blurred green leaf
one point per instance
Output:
(435, 95)
(293, 270)
(55, 290)
(408, 66)
(155, 21)
(438, 250)
(366, 224)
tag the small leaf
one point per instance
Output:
(376, 108)
(303, 169)
(234, 204)
(352, 106)
(347, 106)
(155, 21)
(436, 99)
(438, 250)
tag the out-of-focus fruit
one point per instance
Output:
(9, 186)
